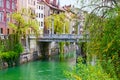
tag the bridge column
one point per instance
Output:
(80, 52)
(79, 29)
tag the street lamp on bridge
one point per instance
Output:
(52, 25)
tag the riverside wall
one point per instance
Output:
(35, 50)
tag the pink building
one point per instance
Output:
(52, 2)
(6, 8)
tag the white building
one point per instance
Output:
(40, 15)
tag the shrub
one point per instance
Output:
(9, 57)
(18, 48)
(88, 72)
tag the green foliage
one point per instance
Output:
(104, 40)
(61, 45)
(104, 28)
(60, 23)
(12, 47)
(10, 57)
(104, 36)
(88, 72)
(10, 50)
(18, 48)
(22, 22)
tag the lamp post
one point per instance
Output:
(64, 29)
(52, 25)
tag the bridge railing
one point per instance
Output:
(50, 36)
(59, 36)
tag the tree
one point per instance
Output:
(102, 23)
(22, 21)
(60, 23)
(12, 47)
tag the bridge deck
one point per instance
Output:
(58, 37)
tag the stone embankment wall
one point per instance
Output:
(34, 51)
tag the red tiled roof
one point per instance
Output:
(51, 6)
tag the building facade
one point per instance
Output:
(40, 8)
(7, 7)
(29, 6)
(51, 7)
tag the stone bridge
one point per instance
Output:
(58, 37)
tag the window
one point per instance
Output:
(1, 16)
(13, 5)
(8, 4)
(41, 24)
(8, 17)
(8, 31)
(1, 3)
(41, 7)
(1, 30)
(41, 15)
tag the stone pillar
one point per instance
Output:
(70, 29)
(79, 29)
(27, 44)
(33, 45)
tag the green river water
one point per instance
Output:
(38, 70)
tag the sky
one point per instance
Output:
(67, 2)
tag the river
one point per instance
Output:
(38, 70)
